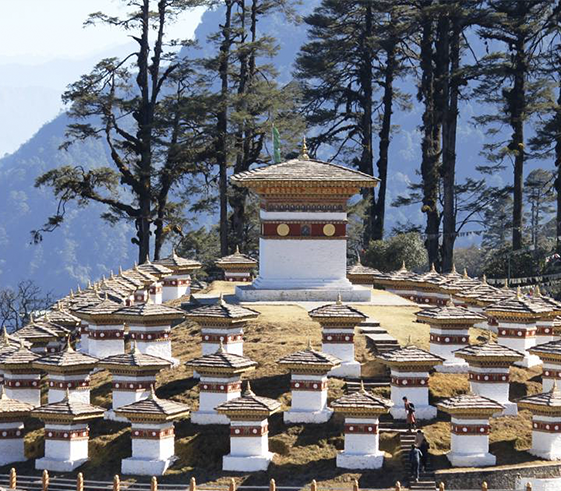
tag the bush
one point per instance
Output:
(389, 254)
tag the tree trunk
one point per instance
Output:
(449, 132)
(557, 182)
(384, 135)
(222, 127)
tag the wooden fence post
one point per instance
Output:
(529, 486)
(13, 478)
(80, 482)
(232, 485)
(397, 486)
(192, 484)
(45, 480)
(441, 487)
(272, 485)
(484, 486)
(116, 483)
(314, 486)
(355, 485)
(154, 484)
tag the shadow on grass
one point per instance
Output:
(506, 453)
(517, 390)
(176, 387)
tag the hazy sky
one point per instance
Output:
(40, 30)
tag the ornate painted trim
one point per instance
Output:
(248, 431)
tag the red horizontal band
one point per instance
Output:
(248, 431)
(217, 387)
(71, 384)
(106, 335)
(410, 381)
(11, 434)
(448, 339)
(150, 336)
(67, 435)
(156, 434)
(22, 384)
(132, 386)
(546, 427)
(361, 429)
(308, 385)
(338, 338)
(507, 332)
(216, 338)
(489, 377)
(470, 429)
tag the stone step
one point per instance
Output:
(352, 385)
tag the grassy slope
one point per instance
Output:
(303, 452)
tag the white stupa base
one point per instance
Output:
(553, 454)
(421, 412)
(250, 463)
(209, 418)
(110, 415)
(58, 465)
(452, 367)
(471, 460)
(248, 293)
(145, 467)
(528, 361)
(308, 416)
(360, 461)
(350, 369)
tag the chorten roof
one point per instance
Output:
(490, 351)
(362, 402)
(128, 276)
(68, 410)
(518, 306)
(65, 359)
(476, 291)
(103, 309)
(304, 171)
(222, 362)
(337, 310)
(470, 405)
(8, 341)
(360, 269)
(178, 263)
(153, 408)
(149, 311)
(449, 313)
(134, 359)
(156, 269)
(310, 359)
(551, 350)
(544, 403)
(12, 408)
(248, 405)
(400, 275)
(457, 282)
(143, 276)
(555, 305)
(236, 259)
(432, 277)
(22, 357)
(410, 355)
(222, 310)
(38, 329)
(114, 290)
(61, 316)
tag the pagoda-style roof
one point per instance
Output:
(222, 362)
(85, 298)
(410, 356)
(134, 360)
(249, 405)
(179, 264)
(12, 409)
(473, 293)
(362, 402)
(21, 358)
(104, 309)
(550, 351)
(222, 311)
(8, 341)
(65, 360)
(449, 314)
(67, 410)
(149, 312)
(401, 275)
(491, 297)
(456, 282)
(518, 306)
(431, 278)
(310, 360)
(546, 403)
(490, 352)
(336, 312)
(128, 276)
(41, 330)
(155, 269)
(145, 277)
(554, 305)
(360, 269)
(302, 172)
(236, 259)
(470, 405)
(153, 409)
(61, 316)
(114, 290)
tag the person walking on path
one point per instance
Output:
(419, 438)
(415, 462)
(424, 448)
(410, 411)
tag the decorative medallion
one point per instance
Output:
(283, 229)
(329, 229)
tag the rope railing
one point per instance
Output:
(47, 483)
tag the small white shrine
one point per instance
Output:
(222, 323)
(546, 423)
(399, 282)
(358, 274)
(133, 374)
(22, 381)
(12, 415)
(44, 335)
(106, 333)
(66, 434)
(249, 432)
(449, 331)
(303, 242)
(545, 325)
(517, 317)
(8, 345)
(152, 434)
(429, 287)
(550, 355)
(338, 322)
(160, 272)
(142, 280)
(308, 385)
(68, 372)
(149, 325)
(220, 381)
(410, 367)
(62, 317)
(178, 284)
(470, 429)
(237, 266)
(362, 411)
(489, 372)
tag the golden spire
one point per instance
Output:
(454, 268)
(248, 391)
(237, 249)
(403, 267)
(152, 395)
(221, 347)
(555, 388)
(537, 291)
(484, 279)
(362, 389)
(68, 348)
(304, 151)
(309, 347)
(339, 299)
(5, 337)
(466, 273)
(432, 268)
(450, 302)
(518, 293)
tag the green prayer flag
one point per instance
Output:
(276, 146)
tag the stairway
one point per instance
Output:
(353, 384)
(426, 478)
(378, 340)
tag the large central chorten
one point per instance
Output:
(303, 241)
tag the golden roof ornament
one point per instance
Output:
(309, 347)
(339, 299)
(518, 293)
(248, 391)
(304, 151)
(237, 249)
(403, 267)
(450, 302)
(432, 268)
(362, 389)
(454, 268)
(484, 279)
(466, 273)
(152, 395)
(537, 291)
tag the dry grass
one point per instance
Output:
(304, 452)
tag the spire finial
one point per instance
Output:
(309, 347)
(484, 279)
(537, 291)
(134, 348)
(359, 263)
(221, 347)
(67, 395)
(152, 395)
(221, 300)
(339, 299)
(403, 267)
(68, 348)
(466, 273)
(31, 319)
(2, 393)
(518, 293)
(5, 337)
(450, 302)
(432, 268)
(454, 268)
(120, 269)
(237, 249)
(304, 151)
(362, 389)
(248, 391)
(555, 388)
(409, 342)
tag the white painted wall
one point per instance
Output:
(249, 446)
(361, 444)
(170, 292)
(29, 394)
(209, 400)
(12, 449)
(66, 449)
(469, 444)
(152, 449)
(308, 400)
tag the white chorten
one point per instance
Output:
(12, 415)
(22, 381)
(550, 355)
(237, 266)
(178, 284)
